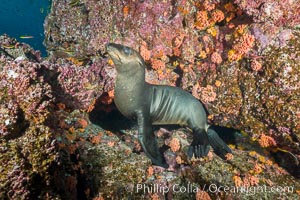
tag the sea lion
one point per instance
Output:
(157, 105)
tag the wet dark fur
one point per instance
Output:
(157, 104)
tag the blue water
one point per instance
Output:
(25, 17)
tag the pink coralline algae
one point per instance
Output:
(8, 117)
(272, 18)
(19, 181)
(174, 144)
(283, 37)
(202, 20)
(32, 99)
(244, 43)
(266, 141)
(89, 157)
(157, 64)
(152, 27)
(208, 5)
(217, 16)
(207, 94)
(145, 53)
(241, 46)
(90, 86)
(27, 146)
(239, 58)
(216, 58)
(255, 65)
(278, 12)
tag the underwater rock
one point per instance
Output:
(24, 94)
(239, 58)
(81, 86)
(27, 145)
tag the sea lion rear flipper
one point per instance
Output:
(220, 147)
(200, 145)
(148, 140)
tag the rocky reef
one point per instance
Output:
(62, 137)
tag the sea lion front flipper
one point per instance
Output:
(200, 145)
(220, 147)
(148, 140)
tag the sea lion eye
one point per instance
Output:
(127, 50)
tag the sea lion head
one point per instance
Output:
(124, 57)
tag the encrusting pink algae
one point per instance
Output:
(62, 138)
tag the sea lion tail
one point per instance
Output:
(219, 146)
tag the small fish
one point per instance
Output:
(20, 58)
(8, 46)
(69, 52)
(74, 3)
(26, 36)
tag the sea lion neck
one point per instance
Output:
(130, 70)
(130, 74)
(129, 64)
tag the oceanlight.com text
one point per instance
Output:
(212, 188)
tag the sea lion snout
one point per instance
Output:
(123, 55)
(118, 48)
(113, 50)
(115, 47)
(109, 47)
